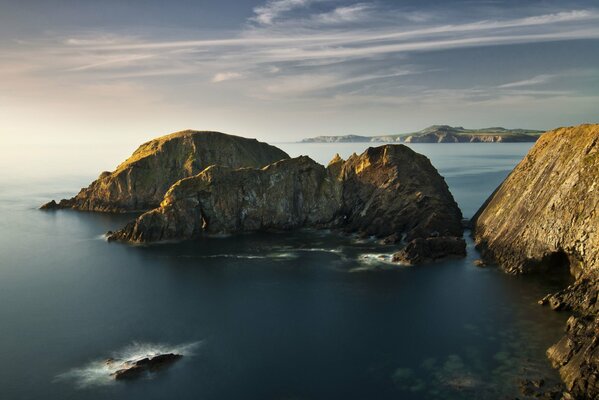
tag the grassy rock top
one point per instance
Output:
(140, 182)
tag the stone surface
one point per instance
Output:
(545, 217)
(389, 192)
(139, 183)
(546, 212)
(576, 355)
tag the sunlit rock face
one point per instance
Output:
(139, 183)
(389, 192)
(547, 210)
(545, 216)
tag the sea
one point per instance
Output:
(304, 315)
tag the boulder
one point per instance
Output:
(423, 250)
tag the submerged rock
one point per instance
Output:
(137, 369)
(139, 183)
(389, 192)
(545, 217)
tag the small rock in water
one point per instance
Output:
(480, 263)
(134, 370)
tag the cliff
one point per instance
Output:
(441, 134)
(545, 216)
(546, 210)
(139, 183)
(389, 192)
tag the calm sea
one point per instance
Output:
(308, 315)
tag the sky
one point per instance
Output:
(87, 73)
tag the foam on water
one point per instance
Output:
(376, 261)
(244, 256)
(98, 372)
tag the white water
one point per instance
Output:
(99, 371)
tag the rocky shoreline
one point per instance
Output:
(543, 219)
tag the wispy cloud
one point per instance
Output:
(344, 14)
(535, 80)
(292, 48)
(273, 9)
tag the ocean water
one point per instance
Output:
(305, 315)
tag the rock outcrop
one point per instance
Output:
(389, 192)
(139, 183)
(546, 212)
(543, 217)
(137, 369)
(576, 355)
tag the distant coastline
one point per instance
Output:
(440, 134)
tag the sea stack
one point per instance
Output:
(389, 192)
(543, 217)
(140, 182)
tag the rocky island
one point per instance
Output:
(545, 217)
(389, 192)
(440, 134)
(140, 182)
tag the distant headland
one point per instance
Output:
(440, 134)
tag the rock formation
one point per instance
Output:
(139, 183)
(389, 192)
(544, 216)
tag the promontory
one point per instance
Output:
(543, 217)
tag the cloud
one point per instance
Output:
(315, 82)
(293, 48)
(266, 14)
(535, 80)
(339, 15)
(225, 76)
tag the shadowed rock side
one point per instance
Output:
(389, 192)
(544, 216)
(139, 183)
(285, 195)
